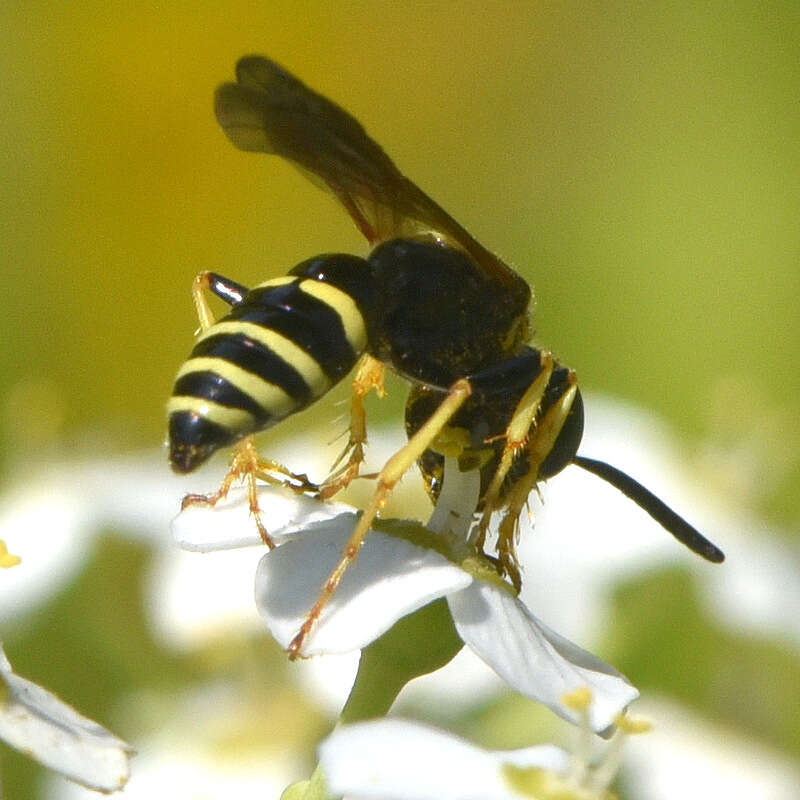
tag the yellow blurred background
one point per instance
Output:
(638, 163)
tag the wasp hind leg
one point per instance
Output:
(540, 444)
(516, 437)
(245, 465)
(224, 288)
(389, 476)
(369, 376)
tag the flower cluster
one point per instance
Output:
(401, 568)
(395, 759)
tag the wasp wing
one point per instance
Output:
(268, 110)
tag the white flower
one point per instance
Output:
(40, 725)
(401, 568)
(392, 759)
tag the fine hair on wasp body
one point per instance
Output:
(428, 302)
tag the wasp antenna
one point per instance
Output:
(655, 507)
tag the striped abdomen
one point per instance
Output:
(281, 348)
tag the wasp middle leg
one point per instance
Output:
(370, 375)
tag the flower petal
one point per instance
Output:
(37, 723)
(534, 660)
(391, 578)
(392, 759)
(228, 524)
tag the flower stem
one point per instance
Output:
(415, 645)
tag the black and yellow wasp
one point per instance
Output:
(428, 301)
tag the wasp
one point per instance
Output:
(428, 302)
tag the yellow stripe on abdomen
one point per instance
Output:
(339, 301)
(269, 396)
(231, 419)
(306, 366)
(272, 282)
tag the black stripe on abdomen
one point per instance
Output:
(257, 359)
(211, 386)
(310, 323)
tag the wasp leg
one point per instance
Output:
(224, 288)
(299, 483)
(248, 466)
(369, 376)
(392, 472)
(516, 437)
(245, 465)
(539, 446)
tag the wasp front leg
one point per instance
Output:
(370, 375)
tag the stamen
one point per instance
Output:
(580, 700)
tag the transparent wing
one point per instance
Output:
(268, 110)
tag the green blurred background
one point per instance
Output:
(637, 162)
